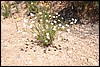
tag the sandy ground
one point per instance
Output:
(80, 47)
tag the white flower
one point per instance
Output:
(62, 18)
(45, 15)
(43, 30)
(41, 16)
(60, 25)
(53, 16)
(46, 40)
(68, 30)
(47, 34)
(63, 27)
(52, 23)
(35, 17)
(33, 22)
(72, 19)
(31, 2)
(24, 25)
(67, 25)
(30, 26)
(44, 11)
(41, 20)
(54, 28)
(25, 20)
(56, 13)
(49, 15)
(55, 21)
(41, 4)
(75, 20)
(56, 16)
(40, 13)
(58, 20)
(31, 14)
(71, 22)
(49, 21)
(46, 20)
(48, 37)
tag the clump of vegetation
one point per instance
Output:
(6, 9)
(44, 26)
(6, 12)
(32, 6)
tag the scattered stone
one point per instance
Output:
(25, 50)
(27, 44)
(59, 48)
(55, 50)
(54, 46)
(45, 51)
(34, 50)
(59, 45)
(22, 49)
(26, 47)
(32, 41)
(31, 48)
(48, 49)
(65, 39)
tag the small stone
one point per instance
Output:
(44, 51)
(55, 50)
(31, 48)
(22, 49)
(32, 41)
(27, 44)
(65, 39)
(25, 50)
(59, 45)
(48, 49)
(34, 50)
(59, 48)
(26, 47)
(54, 46)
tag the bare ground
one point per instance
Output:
(80, 47)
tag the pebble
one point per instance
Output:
(25, 50)
(22, 49)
